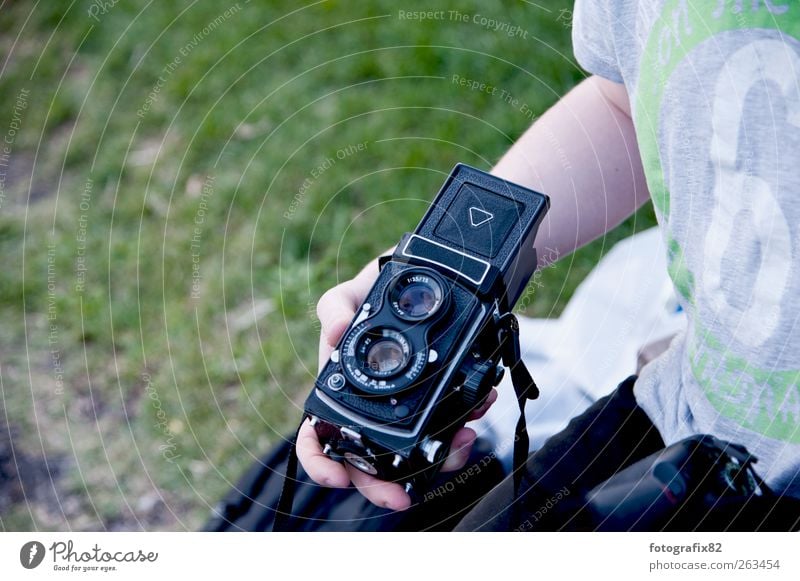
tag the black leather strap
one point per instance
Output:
(283, 511)
(524, 387)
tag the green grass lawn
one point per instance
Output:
(185, 179)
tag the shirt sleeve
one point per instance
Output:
(593, 38)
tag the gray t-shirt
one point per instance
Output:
(715, 93)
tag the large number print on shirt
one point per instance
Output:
(717, 110)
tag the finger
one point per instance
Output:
(481, 411)
(379, 492)
(340, 303)
(335, 309)
(325, 351)
(319, 467)
(459, 450)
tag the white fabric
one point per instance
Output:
(626, 302)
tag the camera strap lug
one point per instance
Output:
(524, 388)
(351, 435)
(382, 260)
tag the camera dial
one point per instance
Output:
(480, 378)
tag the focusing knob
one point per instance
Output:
(480, 379)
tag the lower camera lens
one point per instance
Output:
(383, 352)
(385, 357)
(416, 295)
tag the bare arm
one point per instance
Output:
(583, 154)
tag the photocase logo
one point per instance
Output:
(31, 554)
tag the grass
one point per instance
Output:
(184, 185)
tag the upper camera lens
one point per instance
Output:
(417, 300)
(416, 296)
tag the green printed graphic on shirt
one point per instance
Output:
(682, 26)
(717, 114)
(767, 402)
(680, 275)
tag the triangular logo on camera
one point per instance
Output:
(478, 217)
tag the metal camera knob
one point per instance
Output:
(481, 377)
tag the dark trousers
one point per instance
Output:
(609, 436)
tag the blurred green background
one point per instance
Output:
(184, 180)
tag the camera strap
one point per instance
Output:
(524, 388)
(283, 510)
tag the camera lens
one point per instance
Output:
(385, 357)
(383, 352)
(417, 300)
(416, 295)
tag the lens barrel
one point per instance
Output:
(416, 295)
(383, 352)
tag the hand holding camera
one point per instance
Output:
(336, 308)
(410, 353)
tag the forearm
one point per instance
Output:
(583, 154)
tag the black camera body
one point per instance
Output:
(423, 350)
